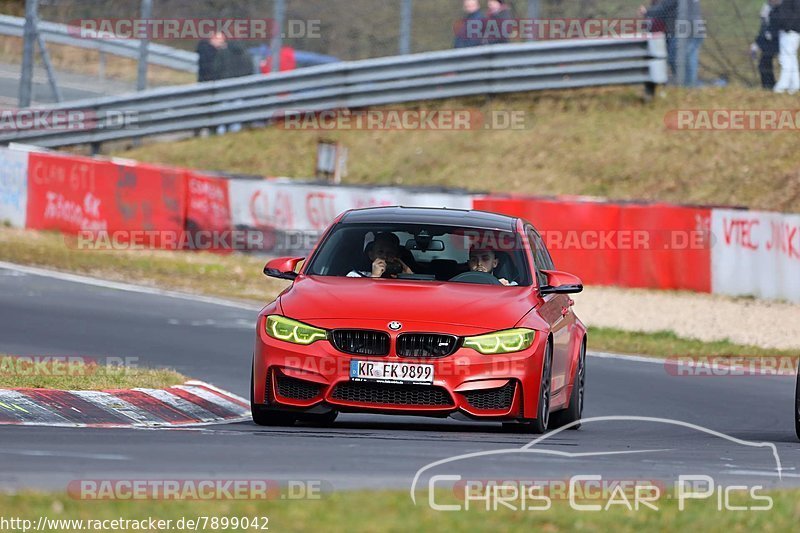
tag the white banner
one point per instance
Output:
(13, 187)
(287, 209)
(755, 254)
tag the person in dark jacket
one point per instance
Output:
(208, 56)
(469, 30)
(498, 31)
(767, 43)
(787, 19)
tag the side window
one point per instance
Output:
(541, 256)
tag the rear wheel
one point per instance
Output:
(266, 417)
(574, 412)
(540, 423)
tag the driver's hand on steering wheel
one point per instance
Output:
(504, 281)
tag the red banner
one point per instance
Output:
(630, 245)
(208, 207)
(73, 194)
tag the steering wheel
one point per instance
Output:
(477, 278)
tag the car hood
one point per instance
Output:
(330, 298)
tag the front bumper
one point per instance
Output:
(316, 378)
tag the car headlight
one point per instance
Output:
(508, 341)
(286, 329)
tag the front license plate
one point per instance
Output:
(391, 372)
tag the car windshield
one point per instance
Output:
(422, 253)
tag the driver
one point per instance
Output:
(384, 254)
(485, 260)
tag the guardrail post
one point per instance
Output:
(29, 43)
(406, 14)
(141, 77)
(48, 65)
(533, 14)
(277, 39)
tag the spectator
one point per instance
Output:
(288, 61)
(787, 17)
(208, 51)
(469, 30)
(767, 43)
(497, 30)
(665, 14)
(220, 59)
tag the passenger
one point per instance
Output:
(485, 260)
(384, 255)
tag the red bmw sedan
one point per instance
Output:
(417, 311)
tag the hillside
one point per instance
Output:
(592, 142)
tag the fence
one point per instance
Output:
(483, 70)
(60, 34)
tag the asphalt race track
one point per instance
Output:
(44, 316)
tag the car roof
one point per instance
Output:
(430, 215)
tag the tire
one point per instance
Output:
(323, 420)
(574, 412)
(539, 424)
(797, 405)
(266, 417)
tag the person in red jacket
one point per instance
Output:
(288, 61)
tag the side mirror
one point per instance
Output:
(560, 283)
(283, 267)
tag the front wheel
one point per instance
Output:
(797, 405)
(538, 425)
(574, 412)
(319, 420)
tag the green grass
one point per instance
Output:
(394, 511)
(668, 344)
(597, 142)
(72, 373)
(231, 276)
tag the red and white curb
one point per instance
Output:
(191, 404)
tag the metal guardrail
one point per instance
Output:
(483, 70)
(62, 34)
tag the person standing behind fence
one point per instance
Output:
(498, 31)
(208, 52)
(665, 13)
(787, 19)
(767, 43)
(469, 30)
